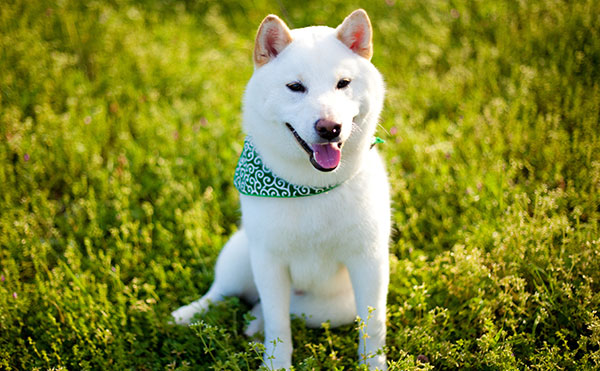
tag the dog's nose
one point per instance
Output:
(328, 129)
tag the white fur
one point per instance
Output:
(324, 257)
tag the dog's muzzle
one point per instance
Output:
(323, 156)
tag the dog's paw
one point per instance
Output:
(257, 324)
(254, 329)
(183, 316)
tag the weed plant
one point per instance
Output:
(120, 130)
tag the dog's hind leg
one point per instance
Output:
(233, 277)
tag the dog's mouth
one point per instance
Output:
(323, 156)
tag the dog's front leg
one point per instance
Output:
(370, 278)
(272, 280)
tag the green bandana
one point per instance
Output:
(253, 178)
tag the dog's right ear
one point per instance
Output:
(272, 37)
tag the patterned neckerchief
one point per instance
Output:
(253, 178)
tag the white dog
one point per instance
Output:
(314, 193)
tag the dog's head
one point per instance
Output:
(313, 101)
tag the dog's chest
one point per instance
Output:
(314, 241)
(316, 225)
(318, 231)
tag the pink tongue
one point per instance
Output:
(327, 155)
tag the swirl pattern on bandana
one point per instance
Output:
(253, 178)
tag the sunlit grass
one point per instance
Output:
(119, 134)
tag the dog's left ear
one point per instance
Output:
(272, 37)
(356, 33)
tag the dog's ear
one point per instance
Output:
(356, 33)
(272, 37)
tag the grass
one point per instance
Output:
(120, 130)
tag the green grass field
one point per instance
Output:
(120, 131)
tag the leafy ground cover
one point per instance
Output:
(120, 130)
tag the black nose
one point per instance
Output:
(328, 129)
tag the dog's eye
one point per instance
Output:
(296, 87)
(343, 83)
